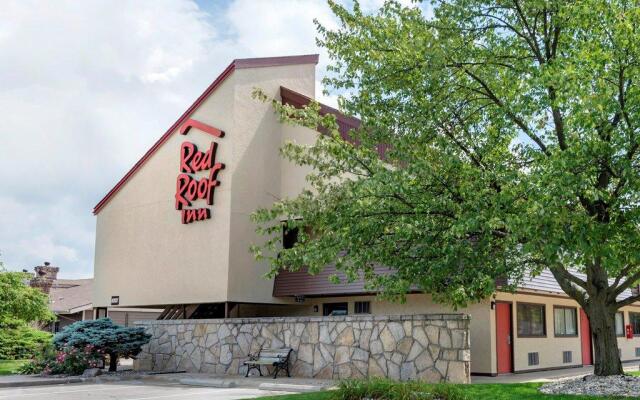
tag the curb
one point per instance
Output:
(288, 387)
(71, 379)
(42, 382)
(215, 383)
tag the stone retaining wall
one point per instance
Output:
(433, 347)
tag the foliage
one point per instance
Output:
(18, 301)
(20, 341)
(390, 390)
(105, 336)
(518, 391)
(10, 367)
(21, 305)
(511, 136)
(67, 360)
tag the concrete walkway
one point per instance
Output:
(280, 384)
(545, 376)
(131, 390)
(181, 379)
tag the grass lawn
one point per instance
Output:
(8, 367)
(515, 391)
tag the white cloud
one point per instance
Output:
(86, 87)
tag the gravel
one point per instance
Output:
(591, 385)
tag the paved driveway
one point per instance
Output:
(131, 390)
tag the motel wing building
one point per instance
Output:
(174, 234)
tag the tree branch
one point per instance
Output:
(492, 96)
(628, 300)
(565, 280)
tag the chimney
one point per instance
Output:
(45, 275)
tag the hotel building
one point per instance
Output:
(174, 234)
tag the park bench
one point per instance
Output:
(277, 358)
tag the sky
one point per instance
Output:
(86, 87)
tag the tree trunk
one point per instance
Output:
(113, 362)
(605, 342)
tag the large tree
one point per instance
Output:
(21, 309)
(19, 301)
(511, 134)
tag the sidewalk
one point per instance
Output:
(545, 376)
(263, 383)
(187, 379)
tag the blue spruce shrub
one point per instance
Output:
(105, 337)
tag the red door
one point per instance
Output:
(503, 338)
(585, 333)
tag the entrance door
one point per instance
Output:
(585, 333)
(504, 345)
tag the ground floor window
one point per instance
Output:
(335, 309)
(531, 320)
(619, 324)
(362, 307)
(101, 312)
(634, 320)
(565, 321)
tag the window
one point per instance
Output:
(334, 309)
(101, 312)
(564, 320)
(619, 324)
(567, 356)
(634, 320)
(531, 320)
(533, 358)
(362, 307)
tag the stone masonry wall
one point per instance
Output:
(432, 348)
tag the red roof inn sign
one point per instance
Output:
(189, 187)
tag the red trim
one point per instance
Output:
(236, 64)
(192, 123)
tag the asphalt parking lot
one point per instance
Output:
(131, 390)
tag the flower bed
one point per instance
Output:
(591, 385)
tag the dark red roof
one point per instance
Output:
(345, 123)
(301, 283)
(236, 64)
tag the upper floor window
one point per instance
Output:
(565, 321)
(289, 236)
(531, 320)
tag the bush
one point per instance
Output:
(390, 390)
(19, 341)
(67, 361)
(105, 337)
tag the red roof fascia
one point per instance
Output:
(236, 64)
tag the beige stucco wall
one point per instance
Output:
(256, 171)
(628, 346)
(145, 255)
(550, 348)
